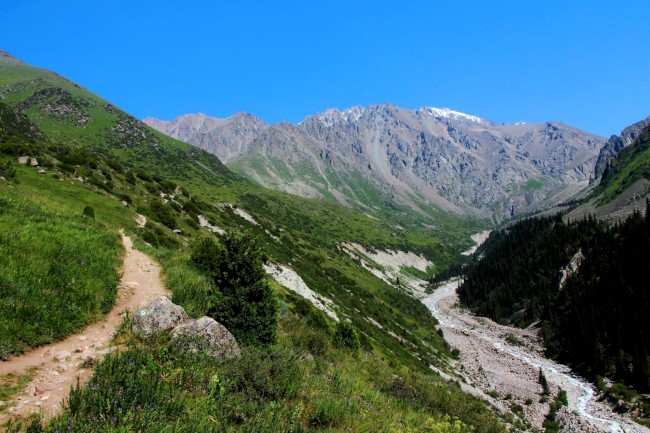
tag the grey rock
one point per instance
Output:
(158, 316)
(107, 350)
(616, 143)
(227, 138)
(33, 162)
(23, 160)
(61, 355)
(206, 335)
(458, 162)
(41, 171)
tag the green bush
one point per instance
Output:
(89, 212)
(7, 171)
(162, 213)
(144, 176)
(206, 254)
(245, 304)
(346, 336)
(156, 236)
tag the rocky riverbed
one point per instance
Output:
(503, 364)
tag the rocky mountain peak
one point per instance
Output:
(331, 116)
(378, 153)
(616, 143)
(446, 113)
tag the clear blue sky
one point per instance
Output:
(586, 63)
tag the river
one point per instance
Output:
(502, 364)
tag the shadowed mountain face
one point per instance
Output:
(382, 154)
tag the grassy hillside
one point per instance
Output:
(630, 165)
(97, 169)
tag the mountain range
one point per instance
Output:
(383, 156)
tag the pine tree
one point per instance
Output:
(244, 301)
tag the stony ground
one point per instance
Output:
(505, 363)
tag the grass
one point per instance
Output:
(11, 384)
(302, 384)
(58, 274)
(630, 165)
(532, 185)
(305, 383)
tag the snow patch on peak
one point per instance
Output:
(332, 116)
(446, 113)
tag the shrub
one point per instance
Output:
(130, 177)
(246, 304)
(156, 236)
(144, 176)
(162, 213)
(206, 254)
(7, 171)
(193, 224)
(89, 212)
(346, 336)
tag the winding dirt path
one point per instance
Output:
(60, 365)
(506, 361)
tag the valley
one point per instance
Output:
(503, 364)
(356, 214)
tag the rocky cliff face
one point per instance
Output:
(616, 143)
(227, 138)
(383, 155)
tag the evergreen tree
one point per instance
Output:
(244, 302)
(597, 320)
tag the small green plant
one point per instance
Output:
(346, 336)
(544, 383)
(512, 339)
(89, 212)
(7, 171)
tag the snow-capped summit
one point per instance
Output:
(450, 114)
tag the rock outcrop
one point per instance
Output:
(198, 335)
(158, 316)
(615, 144)
(206, 335)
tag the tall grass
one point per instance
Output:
(150, 388)
(58, 274)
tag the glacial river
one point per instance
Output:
(491, 363)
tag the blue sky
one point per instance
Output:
(585, 63)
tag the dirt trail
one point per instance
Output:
(506, 361)
(61, 364)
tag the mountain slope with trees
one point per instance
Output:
(585, 280)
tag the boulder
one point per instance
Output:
(206, 335)
(158, 316)
(33, 162)
(23, 160)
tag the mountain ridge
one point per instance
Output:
(414, 157)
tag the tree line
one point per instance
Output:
(595, 319)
